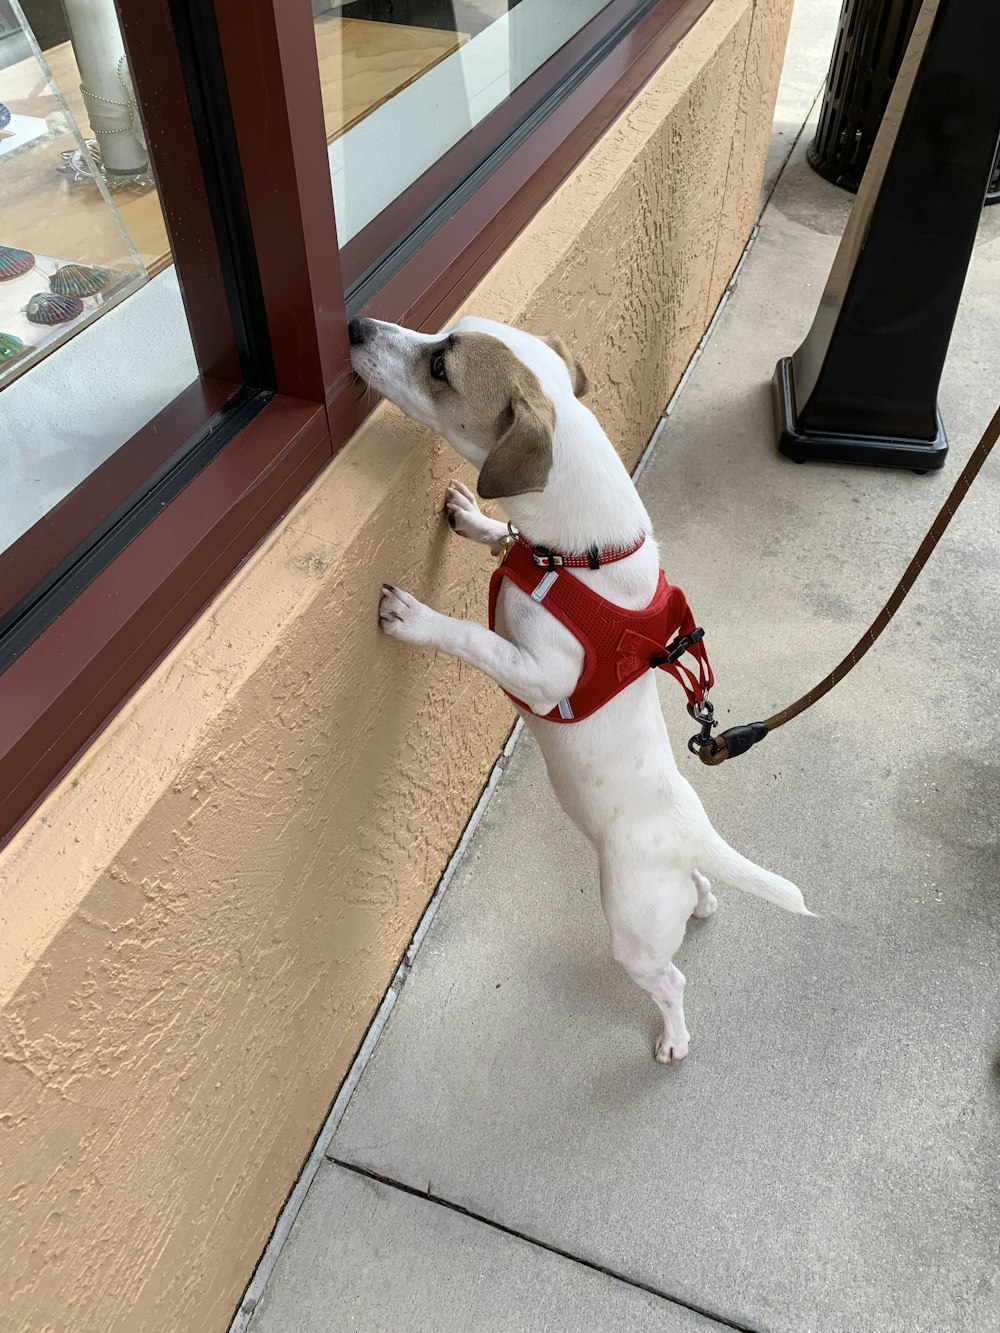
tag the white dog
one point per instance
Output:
(509, 403)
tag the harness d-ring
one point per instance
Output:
(706, 719)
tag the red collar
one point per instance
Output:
(594, 558)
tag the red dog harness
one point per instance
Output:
(619, 645)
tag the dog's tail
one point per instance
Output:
(718, 858)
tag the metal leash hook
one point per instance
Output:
(706, 719)
(735, 741)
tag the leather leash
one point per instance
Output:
(737, 740)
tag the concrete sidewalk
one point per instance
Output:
(827, 1157)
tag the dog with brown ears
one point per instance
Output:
(510, 403)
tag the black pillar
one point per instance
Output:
(863, 386)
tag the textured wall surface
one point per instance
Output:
(198, 924)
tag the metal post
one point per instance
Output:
(863, 386)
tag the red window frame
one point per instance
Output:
(76, 673)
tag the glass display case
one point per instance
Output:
(80, 222)
(89, 303)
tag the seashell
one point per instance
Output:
(76, 280)
(10, 347)
(15, 262)
(49, 308)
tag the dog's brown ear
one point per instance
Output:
(577, 374)
(522, 457)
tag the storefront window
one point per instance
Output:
(81, 229)
(174, 357)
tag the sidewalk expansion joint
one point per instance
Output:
(723, 1321)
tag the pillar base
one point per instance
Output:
(879, 450)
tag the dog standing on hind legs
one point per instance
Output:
(510, 403)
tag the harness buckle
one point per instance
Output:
(704, 715)
(676, 650)
(545, 559)
(680, 646)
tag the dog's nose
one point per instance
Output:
(357, 330)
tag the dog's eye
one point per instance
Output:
(438, 371)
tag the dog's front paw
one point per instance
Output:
(462, 510)
(402, 616)
(466, 518)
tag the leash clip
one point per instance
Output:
(704, 715)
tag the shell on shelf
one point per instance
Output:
(10, 347)
(50, 308)
(14, 262)
(78, 280)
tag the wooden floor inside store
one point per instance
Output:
(362, 65)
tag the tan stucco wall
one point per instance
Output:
(197, 926)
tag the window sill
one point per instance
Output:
(79, 671)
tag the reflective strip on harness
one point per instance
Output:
(545, 584)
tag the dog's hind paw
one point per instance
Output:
(670, 1051)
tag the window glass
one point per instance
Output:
(92, 342)
(405, 80)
